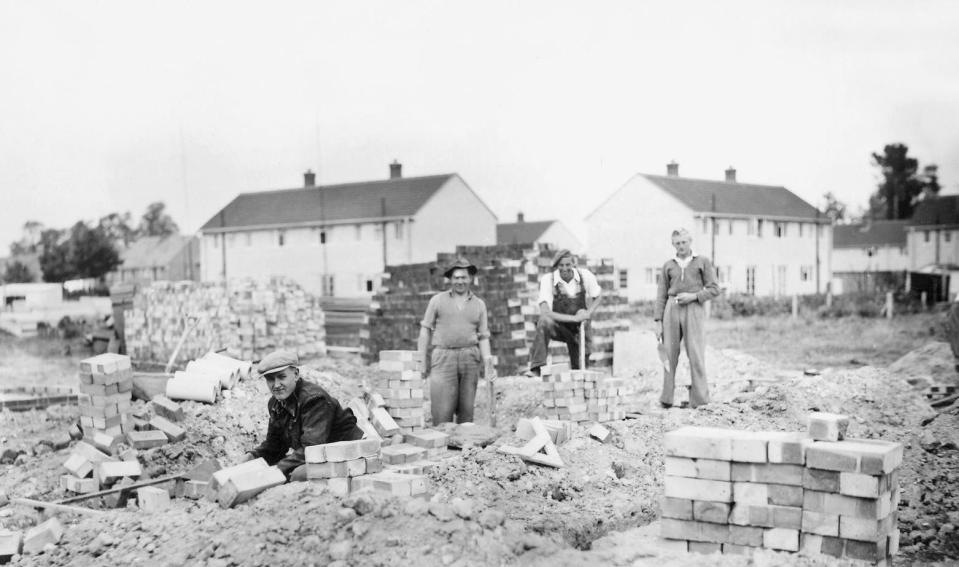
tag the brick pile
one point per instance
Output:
(346, 467)
(402, 388)
(508, 281)
(247, 317)
(586, 395)
(815, 493)
(106, 385)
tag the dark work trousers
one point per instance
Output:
(547, 330)
(685, 323)
(454, 374)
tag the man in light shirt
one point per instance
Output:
(688, 282)
(568, 297)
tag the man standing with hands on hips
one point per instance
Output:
(687, 283)
(455, 326)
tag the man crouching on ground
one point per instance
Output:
(301, 414)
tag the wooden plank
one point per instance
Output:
(115, 490)
(56, 507)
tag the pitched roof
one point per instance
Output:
(937, 210)
(151, 251)
(342, 202)
(521, 232)
(734, 198)
(873, 233)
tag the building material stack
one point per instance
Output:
(403, 389)
(346, 467)
(106, 383)
(247, 317)
(508, 281)
(586, 395)
(728, 491)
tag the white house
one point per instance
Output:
(872, 246)
(534, 232)
(336, 240)
(152, 258)
(763, 240)
(932, 235)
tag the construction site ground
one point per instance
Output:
(489, 508)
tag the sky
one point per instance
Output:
(541, 107)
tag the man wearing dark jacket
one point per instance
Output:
(301, 414)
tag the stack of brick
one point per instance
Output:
(728, 491)
(508, 281)
(402, 388)
(338, 465)
(106, 384)
(246, 317)
(586, 395)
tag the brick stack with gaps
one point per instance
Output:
(508, 281)
(816, 493)
(585, 395)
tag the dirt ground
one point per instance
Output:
(487, 508)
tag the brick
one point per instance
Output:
(165, 407)
(129, 455)
(863, 529)
(418, 485)
(147, 439)
(399, 355)
(220, 477)
(820, 523)
(10, 544)
(153, 499)
(373, 464)
(90, 453)
(693, 531)
(337, 486)
(746, 535)
(370, 447)
(173, 431)
(750, 493)
(391, 483)
(599, 433)
(398, 366)
(82, 485)
(673, 545)
(194, 489)
(857, 484)
(831, 457)
(109, 472)
(739, 514)
(78, 466)
(329, 469)
(781, 539)
(356, 467)
(892, 542)
(866, 550)
(699, 442)
(698, 489)
(785, 495)
(385, 425)
(735, 549)
(878, 457)
(827, 426)
(428, 439)
(359, 408)
(749, 447)
(342, 451)
(401, 453)
(789, 517)
(698, 468)
(705, 547)
(786, 447)
(40, 535)
(767, 473)
(245, 485)
(315, 454)
(821, 480)
(715, 512)
(677, 508)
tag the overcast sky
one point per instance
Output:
(542, 107)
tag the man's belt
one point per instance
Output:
(455, 347)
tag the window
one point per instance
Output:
(369, 285)
(759, 228)
(779, 229)
(781, 280)
(871, 251)
(327, 285)
(322, 236)
(805, 273)
(750, 227)
(231, 240)
(216, 240)
(623, 279)
(947, 236)
(359, 231)
(249, 239)
(281, 237)
(800, 228)
(731, 223)
(902, 250)
(705, 225)
(378, 231)
(399, 231)
(925, 235)
(751, 280)
(649, 276)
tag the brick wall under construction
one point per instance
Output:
(508, 281)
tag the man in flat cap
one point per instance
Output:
(301, 414)
(455, 327)
(568, 296)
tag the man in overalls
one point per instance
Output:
(568, 296)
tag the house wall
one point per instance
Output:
(922, 249)
(870, 259)
(561, 237)
(634, 226)
(352, 256)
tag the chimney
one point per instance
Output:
(396, 170)
(519, 217)
(672, 169)
(730, 175)
(309, 178)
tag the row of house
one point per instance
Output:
(336, 240)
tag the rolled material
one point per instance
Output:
(225, 376)
(244, 367)
(191, 386)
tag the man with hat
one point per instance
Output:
(301, 414)
(455, 327)
(568, 296)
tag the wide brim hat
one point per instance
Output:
(560, 255)
(461, 264)
(276, 361)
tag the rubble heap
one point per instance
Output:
(508, 281)
(246, 316)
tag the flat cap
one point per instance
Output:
(277, 361)
(560, 255)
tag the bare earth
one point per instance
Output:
(600, 509)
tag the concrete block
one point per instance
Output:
(599, 433)
(698, 489)
(749, 447)
(677, 508)
(427, 439)
(401, 453)
(373, 464)
(827, 426)
(787, 517)
(109, 472)
(165, 407)
(243, 486)
(821, 480)
(356, 467)
(876, 456)
(785, 495)
(220, 477)
(370, 447)
(781, 538)
(698, 468)
(418, 485)
(173, 431)
(872, 551)
(82, 485)
(892, 542)
(398, 365)
(11, 543)
(314, 454)
(750, 493)
(391, 483)
(91, 453)
(153, 499)
(831, 457)
(739, 514)
(341, 487)
(857, 484)
(699, 443)
(863, 529)
(820, 523)
(705, 547)
(40, 535)
(746, 535)
(329, 469)
(736, 549)
(715, 512)
(673, 545)
(194, 489)
(78, 466)
(385, 425)
(767, 473)
(694, 531)
(147, 439)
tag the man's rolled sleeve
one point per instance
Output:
(546, 290)
(591, 284)
(429, 318)
(317, 417)
(661, 290)
(710, 287)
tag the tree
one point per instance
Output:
(901, 188)
(54, 255)
(835, 209)
(117, 228)
(29, 240)
(18, 272)
(156, 222)
(83, 252)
